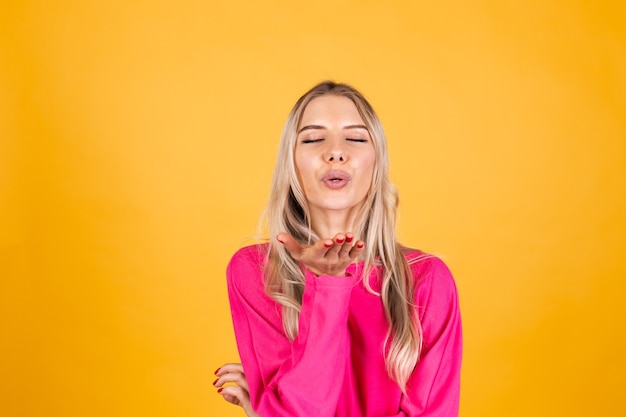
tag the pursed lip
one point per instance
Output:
(336, 179)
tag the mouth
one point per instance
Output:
(336, 179)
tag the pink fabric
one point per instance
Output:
(335, 366)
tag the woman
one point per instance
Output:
(334, 317)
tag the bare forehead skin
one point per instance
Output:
(331, 112)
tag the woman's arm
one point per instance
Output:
(434, 388)
(299, 378)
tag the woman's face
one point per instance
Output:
(334, 155)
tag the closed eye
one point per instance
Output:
(356, 140)
(311, 140)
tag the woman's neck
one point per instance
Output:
(326, 224)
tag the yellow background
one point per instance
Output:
(137, 143)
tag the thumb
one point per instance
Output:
(291, 244)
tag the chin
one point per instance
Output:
(335, 205)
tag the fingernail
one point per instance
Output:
(327, 245)
(218, 369)
(360, 245)
(349, 238)
(340, 240)
(215, 382)
(220, 390)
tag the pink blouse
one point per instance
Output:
(335, 366)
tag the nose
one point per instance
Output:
(335, 151)
(335, 156)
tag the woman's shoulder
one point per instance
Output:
(436, 298)
(244, 273)
(428, 269)
(256, 253)
(247, 259)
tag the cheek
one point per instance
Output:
(306, 163)
(304, 170)
(369, 165)
(365, 171)
(369, 162)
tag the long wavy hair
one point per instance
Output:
(287, 211)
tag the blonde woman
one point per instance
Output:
(333, 316)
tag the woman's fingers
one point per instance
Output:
(346, 247)
(231, 372)
(339, 241)
(291, 244)
(357, 249)
(301, 252)
(229, 367)
(324, 248)
(238, 378)
(237, 394)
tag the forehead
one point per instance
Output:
(331, 109)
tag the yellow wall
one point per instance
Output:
(137, 142)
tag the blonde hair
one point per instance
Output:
(287, 211)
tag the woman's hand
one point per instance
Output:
(327, 256)
(235, 394)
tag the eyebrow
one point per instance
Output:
(319, 127)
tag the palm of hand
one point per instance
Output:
(327, 256)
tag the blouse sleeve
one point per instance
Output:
(299, 378)
(434, 387)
